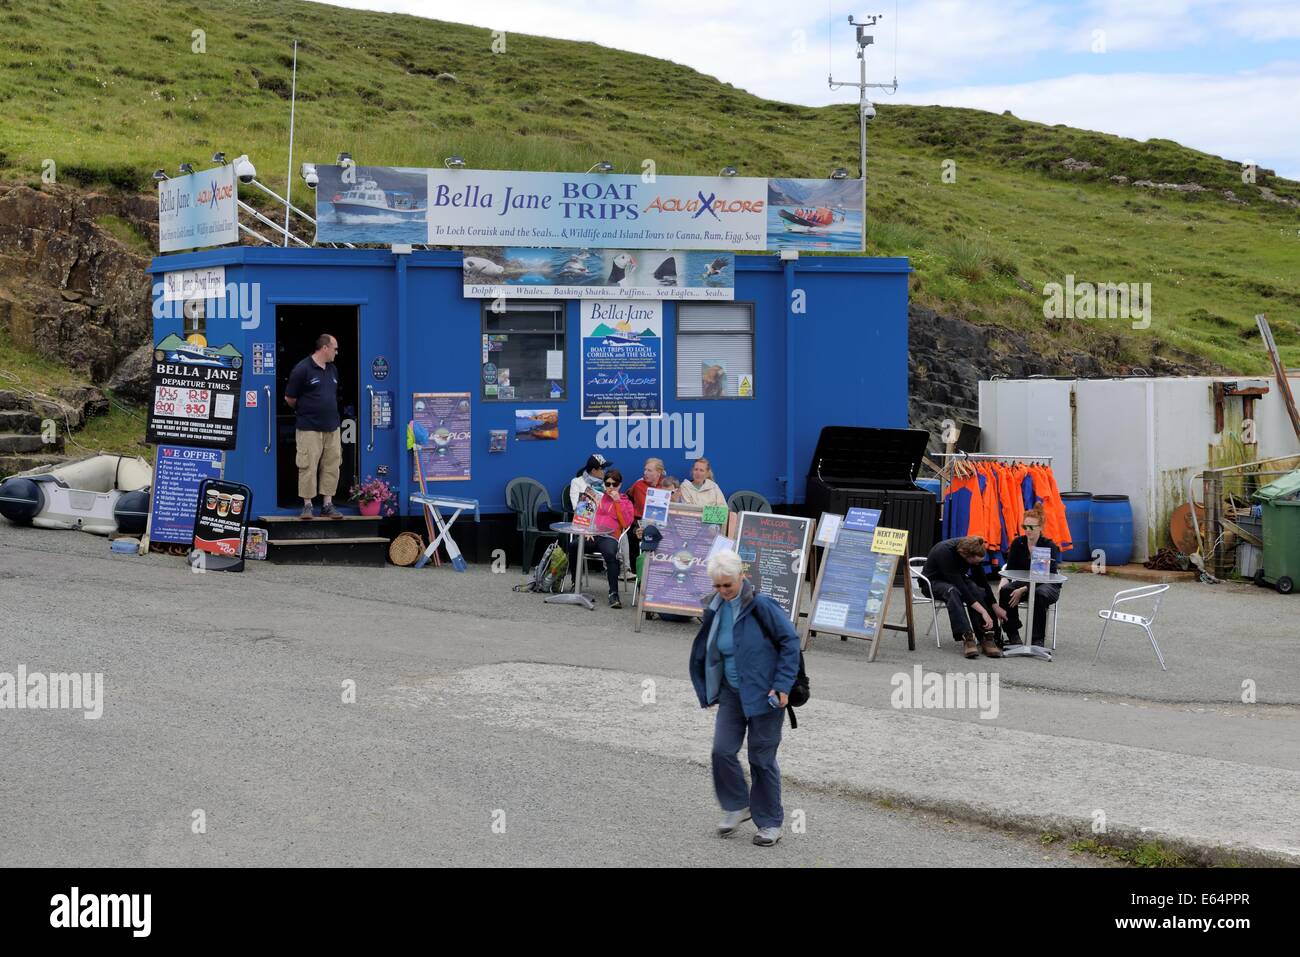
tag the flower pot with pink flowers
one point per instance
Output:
(373, 497)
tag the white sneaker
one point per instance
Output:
(767, 836)
(732, 820)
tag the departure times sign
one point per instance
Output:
(196, 393)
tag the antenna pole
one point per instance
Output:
(288, 180)
(864, 40)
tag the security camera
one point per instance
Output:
(309, 175)
(868, 112)
(244, 169)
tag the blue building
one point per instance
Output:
(823, 341)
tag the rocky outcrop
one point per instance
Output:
(70, 291)
(948, 357)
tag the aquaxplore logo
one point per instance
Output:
(103, 910)
(25, 690)
(935, 691)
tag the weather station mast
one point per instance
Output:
(866, 111)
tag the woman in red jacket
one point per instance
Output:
(652, 476)
(613, 516)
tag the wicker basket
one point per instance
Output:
(405, 549)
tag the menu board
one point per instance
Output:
(445, 415)
(852, 593)
(676, 572)
(178, 474)
(194, 389)
(774, 550)
(220, 524)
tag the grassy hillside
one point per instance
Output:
(112, 89)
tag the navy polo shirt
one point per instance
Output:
(317, 392)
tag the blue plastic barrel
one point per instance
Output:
(930, 485)
(1110, 528)
(1078, 506)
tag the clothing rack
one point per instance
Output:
(991, 457)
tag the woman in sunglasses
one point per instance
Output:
(1012, 594)
(614, 513)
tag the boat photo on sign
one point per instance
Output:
(371, 204)
(492, 271)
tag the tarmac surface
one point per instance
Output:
(491, 729)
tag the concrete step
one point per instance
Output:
(14, 444)
(289, 528)
(371, 551)
(21, 421)
(12, 464)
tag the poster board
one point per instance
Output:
(178, 475)
(622, 365)
(446, 417)
(676, 573)
(775, 550)
(221, 525)
(195, 393)
(854, 586)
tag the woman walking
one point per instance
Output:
(745, 660)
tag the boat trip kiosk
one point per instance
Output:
(682, 318)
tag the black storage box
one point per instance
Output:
(875, 468)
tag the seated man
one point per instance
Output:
(1012, 594)
(955, 568)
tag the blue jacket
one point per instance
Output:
(761, 667)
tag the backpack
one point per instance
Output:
(548, 575)
(799, 692)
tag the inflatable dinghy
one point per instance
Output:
(102, 494)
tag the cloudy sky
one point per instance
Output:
(1219, 75)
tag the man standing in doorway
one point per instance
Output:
(313, 393)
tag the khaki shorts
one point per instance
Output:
(320, 454)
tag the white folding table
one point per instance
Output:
(433, 506)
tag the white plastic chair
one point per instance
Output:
(1133, 594)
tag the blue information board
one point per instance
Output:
(177, 476)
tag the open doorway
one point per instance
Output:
(296, 330)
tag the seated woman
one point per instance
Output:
(613, 516)
(1012, 594)
(701, 489)
(591, 477)
(652, 476)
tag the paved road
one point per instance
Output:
(224, 693)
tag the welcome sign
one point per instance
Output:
(503, 208)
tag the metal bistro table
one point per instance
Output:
(576, 597)
(1028, 649)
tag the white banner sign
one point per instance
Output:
(198, 210)
(185, 284)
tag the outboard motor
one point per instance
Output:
(20, 500)
(132, 512)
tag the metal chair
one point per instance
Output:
(747, 501)
(924, 596)
(1133, 594)
(623, 557)
(528, 498)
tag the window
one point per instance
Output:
(520, 346)
(715, 350)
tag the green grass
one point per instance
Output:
(111, 91)
(128, 235)
(1146, 854)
